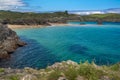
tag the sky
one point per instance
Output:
(57, 5)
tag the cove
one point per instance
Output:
(78, 43)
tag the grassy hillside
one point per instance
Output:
(33, 18)
(57, 17)
(104, 17)
(68, 70)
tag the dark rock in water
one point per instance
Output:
(99, 22)
(9, 41)
(82, 23)
(76, 48)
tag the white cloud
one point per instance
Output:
(88, 12)
(10, 4)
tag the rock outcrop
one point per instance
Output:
(9, 41)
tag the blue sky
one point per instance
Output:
(56, 5)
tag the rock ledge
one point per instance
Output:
(9, 41)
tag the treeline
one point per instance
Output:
(29, 18)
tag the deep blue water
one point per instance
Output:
(54, 44)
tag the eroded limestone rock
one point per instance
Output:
(9, 41)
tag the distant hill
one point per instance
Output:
(89, 12)
(31, 18)
(113, 10)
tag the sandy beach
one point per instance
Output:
(34, 26)
(25, 26)
(39, 26)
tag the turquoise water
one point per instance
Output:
(54, 44)
(94, 23)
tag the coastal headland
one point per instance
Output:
(18, 20)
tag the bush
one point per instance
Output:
(54, 75)
(1, 70)
(115, 67)
(14, 77)
(71, 73)
(89, 71)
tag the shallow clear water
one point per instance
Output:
(54, 44)
(94, 23)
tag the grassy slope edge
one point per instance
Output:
(66, 70)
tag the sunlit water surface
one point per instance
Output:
(78, 43)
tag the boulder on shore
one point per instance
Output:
(9, 41)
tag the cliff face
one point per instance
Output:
(9, 41)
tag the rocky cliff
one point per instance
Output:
(9, 41)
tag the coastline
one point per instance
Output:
(62, 71)
(25, 26)
(41, 26)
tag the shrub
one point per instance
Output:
(71, 73)
(54, 75)
(89, 71)
(1, 70)
(115, 67)
(14, 77)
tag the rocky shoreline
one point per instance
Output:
(66, 70)
(9, 41)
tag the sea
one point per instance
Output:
(48, 45)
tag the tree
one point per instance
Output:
(66, 12)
